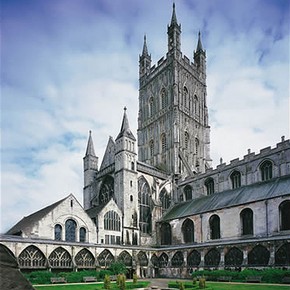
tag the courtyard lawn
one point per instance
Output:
(233, 286)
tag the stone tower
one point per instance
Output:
(90, 170)
(173, 130)
(126, 181)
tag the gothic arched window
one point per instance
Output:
(145, 218)
(151, 148)
(177, 260)
(236, 179)
(185, 97)
(105, 258)
(151, 107)
(107, 190)
(186, 140)
(155, 261)
(142, 259)
(188, 192)
(212, 258)
(196, 105)
(32, 257)
(163, 143)
(163, 98)
(234, 257)
(58, 232)
(70, 230)
(112, 221)
(247, 221)
(83, 234)
(266, 170)
(282, 256)
(188, 231)
(193, 259)
(165, 232)
(258, 256)
(214, 225)
(284, 210)
(209, 184)
(85, 259)
(163, 260)
(165, 199)
(125, 258)
(60, 258)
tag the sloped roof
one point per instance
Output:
(109, 156)
(125, 128)
(32, 219)
(10, 276)
(246, 194)
(94, 211)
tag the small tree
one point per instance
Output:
(202, 283)
(107, 282)
(193, 281)
(135, 278)
(122, 282)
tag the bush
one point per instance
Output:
(107, 282)
(122, 282)
(135, 278)
(201, 283)
(39, 277)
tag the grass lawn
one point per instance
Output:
(230, 286)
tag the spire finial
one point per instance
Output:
(199, 45)
(125, 109)
(145, 50)
(173, 18)
(90, 147)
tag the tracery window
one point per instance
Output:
(85, 259)
(151, 107)
(236, 179)
(247, 221)
(266, 170)
(142, 259)
(83, 234)
(196, 146)
(165, 199)
(58, 232)
(165, 232)
(284, 210)
(234, 257)
(112, 221)
(282, 256)
(177, 260)
(125, 258)
(214, 225)
(193, 259)
(185, 97)
(188, 192)
(195, 105)
(163, 143)
(145, 218)
(107, 190)
(188, 231)
(105, 258)
(31, 257)
(212, 258)
(163, 260)
(70, 230)
(186, 140)
(60, 258)
(209, 184)
(154, 261)
(258, 256)
(163, 98)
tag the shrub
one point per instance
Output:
(193, 281)
(107, 282)
(135, 278)
(122, 282)
(201, 283)
(39, 277)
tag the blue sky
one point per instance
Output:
(70, 66)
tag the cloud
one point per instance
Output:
(71, 66)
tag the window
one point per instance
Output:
(126, 259)
(58, 232)
(85, 259)
(163, 143)
(193, 259)
(144, 205)
(112, 221)
(188, 231)
(266, 170)
(107, 190)
(258, 256)
(106, 258)
(151, 107)
(83, 233)
(151, 148)
(60, 258)
(188, 192)
(165, 234)
(132, 166)
(142, 259)
(236, 179)
(247, 221)
(186, 140)
(70, 230)
(196, 146)
(282, 256)
(214, 225)
(32, 257)
(177, 260)
(196, 105)
(209, 184)
(163, 98)
(234, 257)
(185, 97)
(163, 260)
(165, 199)
(284, 210)
(212, 258)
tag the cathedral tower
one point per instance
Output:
(173, 130)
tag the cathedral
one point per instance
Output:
(154, 202)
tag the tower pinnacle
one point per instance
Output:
(90, 147)
(199, 44)
(145, 50)
(173, 18)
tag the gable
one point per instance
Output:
(109, 156)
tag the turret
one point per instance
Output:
(90, 169)
(199, 55)
(144, 60)
(173, 32)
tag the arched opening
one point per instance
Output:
(284, 210)
(258, 256)
(188, 192)
(84, 259)
(247, 221)
(165, 232)
(188, 231)
(70, 230)
(214, 225)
